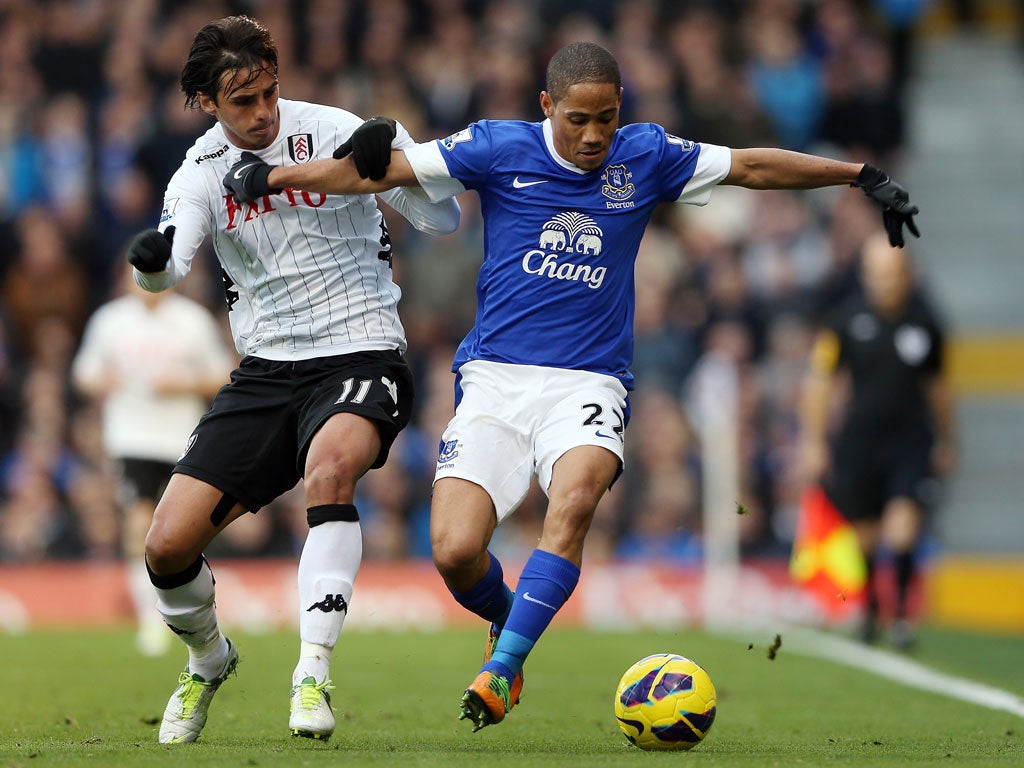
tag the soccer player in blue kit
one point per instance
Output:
(543, 376)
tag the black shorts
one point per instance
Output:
(142, 479)
(869, 470)
(253, 441)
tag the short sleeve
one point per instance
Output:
(712, 166)
(432, 172)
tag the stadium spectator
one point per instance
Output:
(153, 361)
(545, 397)
(897, 431)
(45, 283)
(323, 387)
(132, 51)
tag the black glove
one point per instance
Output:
(370, 145)
(895, 202)
(151, 250)
(248, 178)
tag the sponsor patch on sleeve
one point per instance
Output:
(168, 211)
(684, 144)
(457, 138)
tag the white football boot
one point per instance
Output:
(188, 706)
(311, 714)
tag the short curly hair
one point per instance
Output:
(581, 63)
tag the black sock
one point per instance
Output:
(904, 564)
(871, 593)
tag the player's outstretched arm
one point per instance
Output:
(364, 158)
(251, 178)
(340, 177)
(766, 168)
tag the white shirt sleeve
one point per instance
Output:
(432, 171)
(190, 217)
(713, 165)
(434, 216)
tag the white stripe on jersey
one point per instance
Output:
(310, 274)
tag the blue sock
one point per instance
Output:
(544, 586)
(490, 598)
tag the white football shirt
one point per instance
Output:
(305, 274)
(138, 347)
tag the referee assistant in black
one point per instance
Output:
(896, 432)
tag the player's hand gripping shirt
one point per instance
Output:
(556, 285)
(305, 274)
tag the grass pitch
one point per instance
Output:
(87, 699)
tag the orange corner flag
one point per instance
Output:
(826, 558)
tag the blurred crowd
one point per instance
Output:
(92, 125)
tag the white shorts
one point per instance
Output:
(516, 421)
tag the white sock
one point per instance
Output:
(314, 661)
(189, 610)
(141, 591)
(327, 570)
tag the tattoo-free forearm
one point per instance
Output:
(768, 168)
(339, 177)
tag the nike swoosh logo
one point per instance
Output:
(599, 433)
(526, 596)
(238, 174)
(521, 184)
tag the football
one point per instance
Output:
(665, 701)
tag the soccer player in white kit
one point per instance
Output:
(323, 388)
(543, 376)
(153, 361)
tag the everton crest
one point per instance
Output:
(617, 184)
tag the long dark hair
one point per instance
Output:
(234, 43)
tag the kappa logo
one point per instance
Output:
(567, 233)
(330, 604)
(212, 155)
(300, 147)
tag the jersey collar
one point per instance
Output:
(549, 140)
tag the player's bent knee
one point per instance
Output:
(167, 555)
(456, 559)
(571, 514)
(335, 478)
(169, 572)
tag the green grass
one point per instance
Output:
(87, 699)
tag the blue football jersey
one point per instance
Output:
(556, 285)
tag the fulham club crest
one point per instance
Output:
(300, 147)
